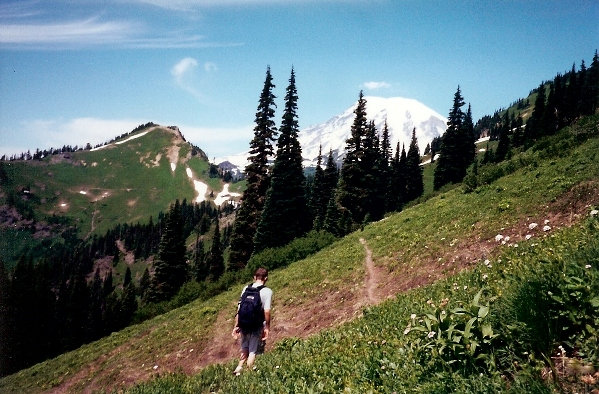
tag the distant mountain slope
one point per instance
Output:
(125, 181)
(402, 116)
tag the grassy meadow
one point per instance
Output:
(446, 272)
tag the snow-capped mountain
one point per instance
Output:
(401, 114)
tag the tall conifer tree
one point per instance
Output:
(457, 146)
(319, 200)
(214, 260)
(351, 192)
(257, 178)
(170, 267)
(285, 211)
(413, 170)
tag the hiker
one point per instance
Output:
(252, 320)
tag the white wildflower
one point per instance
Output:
(413, 316)
(528, 236)
(465, 287)
(546, 228)
(485, 276)
(594, 212)
(498, 237)
(155, 367)
(431, 334)
(546, 221)
(532, 226)
(587, 266)
(487, 262)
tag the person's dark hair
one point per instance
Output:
(261, 273)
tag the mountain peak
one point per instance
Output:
(402, 116)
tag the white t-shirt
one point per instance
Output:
(265, 296)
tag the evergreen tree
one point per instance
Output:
(331, 177)
(351, 192)
(503, 145)
(593, 85)
(413, 170)
(214, 260)
(332, 220)
(457, 146)
(374, 167)
(395, 181)
(534, 126)
(170, 267)
(144, 286)
(318, 200)
(257, 178)
(285, 211)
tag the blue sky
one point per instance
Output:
(73, 72)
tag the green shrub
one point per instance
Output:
(456, 339)
(297, 249)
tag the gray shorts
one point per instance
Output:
(251, 341)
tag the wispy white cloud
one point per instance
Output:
(374, 85)
(186, 5)
(92, 32)
(89, 31)
(184, 75)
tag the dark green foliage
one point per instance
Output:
(297, 249)
(214, 260)
(457, 146)
(360, 191)
(257, 178)
(397, 180)
(284, 216)
(318, 197)
(170, 267)
(413, 171)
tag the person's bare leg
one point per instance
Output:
(251, 359)
(242, 358)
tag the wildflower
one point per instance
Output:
(465, 287)
(487, 262)
(498, 237)
(587, 266)
(532, 226)
(444, 302)
(546, 228)
(485, 276)
(413, 316)
(431, 334)
(546, 221)
(594, 212)
(528, 236)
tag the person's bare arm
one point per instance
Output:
(235, 332)
(267, 325)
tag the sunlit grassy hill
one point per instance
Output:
(127, 181)
(326, 334)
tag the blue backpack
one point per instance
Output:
(250, 316)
